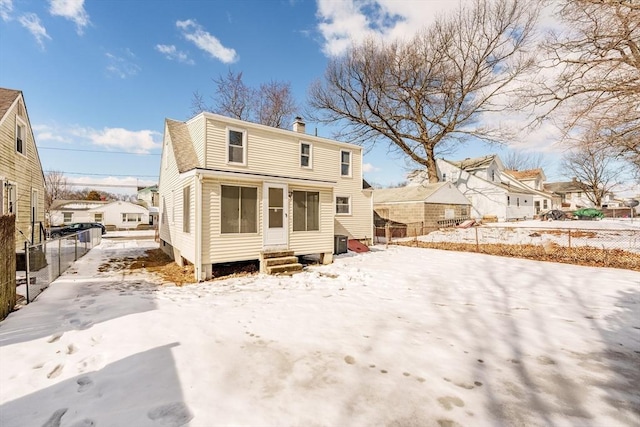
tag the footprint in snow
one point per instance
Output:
(55, 418)
(84, 423)
(84, 383)
(171, 414)
(56, 371)
(54, 338)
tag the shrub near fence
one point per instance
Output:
(7, 264)
(615, 248)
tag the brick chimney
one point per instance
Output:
(298, 125)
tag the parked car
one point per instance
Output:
(75, 227)
(553, 215)
(588, 213)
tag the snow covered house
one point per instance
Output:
(231, 191)
(482, 182)
(420, 207)
(119, 215)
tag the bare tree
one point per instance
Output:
(56, 188)
(518, 160)
(276, 105)
(432, 92)
(596, 56)
(595, 169)
(272, 104)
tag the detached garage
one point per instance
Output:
(419, 209)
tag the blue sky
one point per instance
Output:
(102, 76)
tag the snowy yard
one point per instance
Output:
(401, 337)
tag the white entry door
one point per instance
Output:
(275, 216)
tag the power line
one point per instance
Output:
(74, 184)
(102, 174)
(98, 151)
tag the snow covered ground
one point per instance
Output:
(401, 337)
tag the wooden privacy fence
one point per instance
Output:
(7, 264)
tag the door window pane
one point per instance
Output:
(276, 205)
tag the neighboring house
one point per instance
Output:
(150, 197)
(421, 207)
(231, 190)
(533, 179)
(113, 214)
(573, 195)
(482, 183)
(21, 177)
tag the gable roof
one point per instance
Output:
(475, 162)
(183, 150)
(7, 98)
(77, 205)
(418, 193)
(525, 174)
(564, 187)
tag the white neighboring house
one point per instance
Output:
(573, 195)
(232, 191)
(533, 179)
(112, 214)
(482, 183)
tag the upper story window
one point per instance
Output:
(236, 146)
(21, 132)
(305, 155)
(345, 163)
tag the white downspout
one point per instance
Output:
(198, 227)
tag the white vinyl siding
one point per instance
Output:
(186, 209)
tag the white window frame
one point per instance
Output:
(240, 217)
(310, 155)
(70, 217)
(21, 124)
(306, 208)
(244, 146)
(95, 217)
(12, 199)
(350, 173)
(348, 205)
(186, 209)
(135, 217)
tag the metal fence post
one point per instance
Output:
(477, 240)
(75, 246)
(26, 260)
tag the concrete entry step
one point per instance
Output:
(284, 269)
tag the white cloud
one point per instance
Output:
(72, 10)
(196, 34)
(368, 167)
(348, 21)
(141, 141)
(172, 53)
(31, 22)
(122, 66)
(6, 7)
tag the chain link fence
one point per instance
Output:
(46, 261)
(617, 248)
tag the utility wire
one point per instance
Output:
(98, 151)
(102, 174)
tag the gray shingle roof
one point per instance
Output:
(183, 150)
(413, 193)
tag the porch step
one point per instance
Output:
(270, 262)
(276, 254)
(279, 262)
(284, 268)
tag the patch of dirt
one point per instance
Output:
(581, 255)
(154, 261)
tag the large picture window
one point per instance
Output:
(131, 217)
(306, 211)
(239, 209)
(237, 146)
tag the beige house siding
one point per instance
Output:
(359, 223)
(167, 187)
(311, 242)
(25, 171)
(216, 246)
